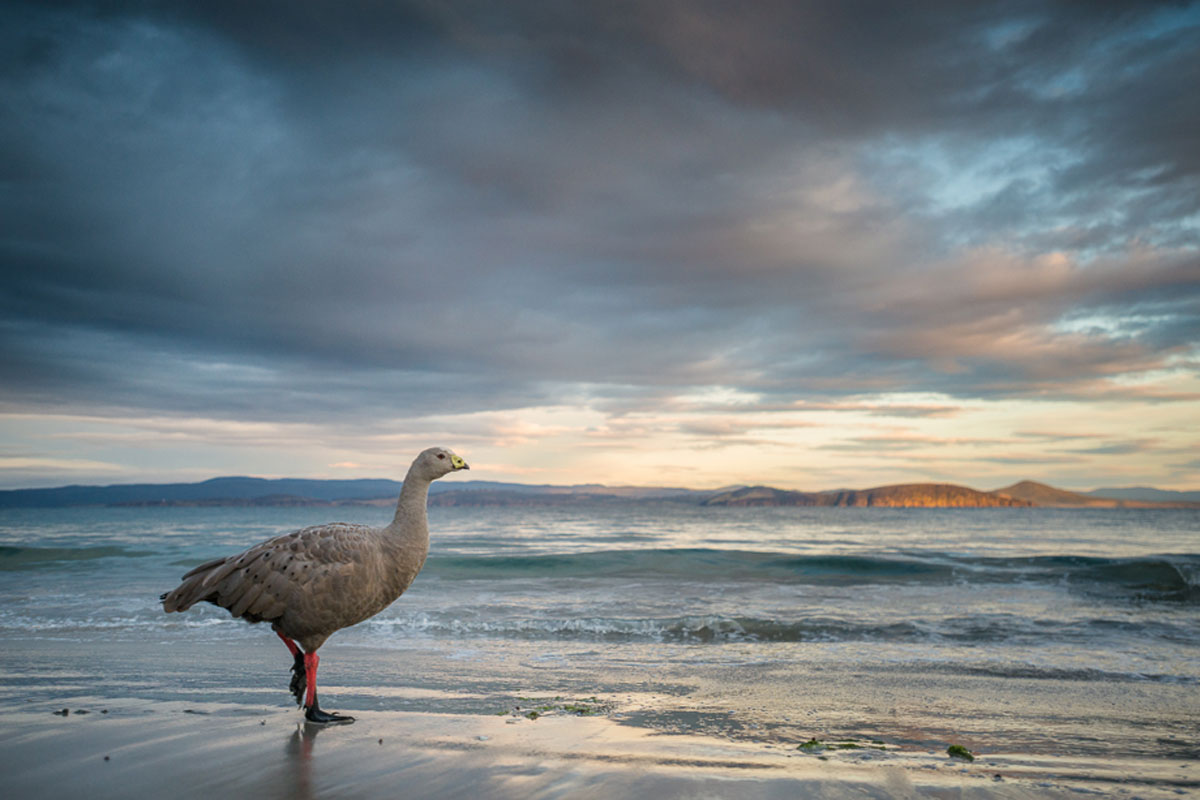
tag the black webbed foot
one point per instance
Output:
(315, 714)
(299, 684)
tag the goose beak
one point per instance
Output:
(458, 463)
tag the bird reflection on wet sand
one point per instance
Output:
(299, 756)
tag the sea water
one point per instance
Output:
(610, 591)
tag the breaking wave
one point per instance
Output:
(15, 558)
(1154, 578)
(968, 631)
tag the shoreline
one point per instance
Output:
(197, 750)
(194, 718)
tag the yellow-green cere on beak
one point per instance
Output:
(458, 463)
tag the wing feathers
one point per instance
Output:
(260, 583)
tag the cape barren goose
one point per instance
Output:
(318, 580)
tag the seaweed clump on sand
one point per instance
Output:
(958, 751)
(815, 745)
(541, 707)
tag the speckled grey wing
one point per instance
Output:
(299, 571)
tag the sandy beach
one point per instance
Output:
(148, 750)
(463, 728)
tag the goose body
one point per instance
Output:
(313, 582)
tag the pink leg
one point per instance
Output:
(312, 711)
(311, 660)
(304, 684)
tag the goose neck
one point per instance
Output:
(410, 509)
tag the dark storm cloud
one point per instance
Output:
(287, 209)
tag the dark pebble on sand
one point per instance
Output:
(62, 713)
(106, 758)
(381, 741)
(82, 711)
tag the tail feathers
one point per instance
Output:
(198, 584)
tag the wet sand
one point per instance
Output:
(148, 749)
(185, 719)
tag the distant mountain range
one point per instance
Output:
(1039, 494)
(301, 491)
(909, 495)
(240, 491)
(937, 495)
(216, 490)
(1146, 493)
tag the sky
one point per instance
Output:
(684, 243)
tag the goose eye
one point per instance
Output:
(441, 455)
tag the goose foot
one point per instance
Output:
(299, 684)
(304, 687)
(315, 714)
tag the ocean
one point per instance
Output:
(1014, 631)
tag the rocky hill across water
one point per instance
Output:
(908, 495)
(1039, 494)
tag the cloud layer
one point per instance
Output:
(306, 212)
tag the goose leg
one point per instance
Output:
(298, 683)
(312, 711)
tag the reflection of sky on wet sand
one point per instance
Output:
(679, 719)
(433, 755)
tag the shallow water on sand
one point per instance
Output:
(1009, 630)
